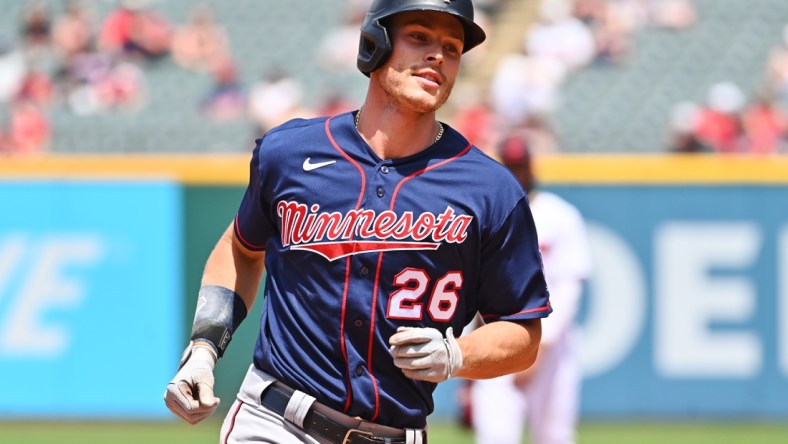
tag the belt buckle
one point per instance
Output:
(346, 440)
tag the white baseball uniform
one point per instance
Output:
(548, 404)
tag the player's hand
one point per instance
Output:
(190, 393)
(424, 354)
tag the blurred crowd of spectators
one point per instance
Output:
(568, 36)
(63, 57)
(729, 121)
(91, 64)
(572, 35)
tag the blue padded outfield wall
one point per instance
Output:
(90, 298)
(686, 315)
(687, 311)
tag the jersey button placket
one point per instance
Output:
(359, 370)
(381, 180)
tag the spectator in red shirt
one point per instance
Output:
(29, 130)
(719, 124)
(764, 127)
(36, 87)
(136, 31)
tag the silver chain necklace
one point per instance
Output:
(437, 138)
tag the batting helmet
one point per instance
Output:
(375, 45)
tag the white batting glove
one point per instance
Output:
(424, 354)
(190, 393)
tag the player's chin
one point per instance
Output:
(441, 96)
(425, 102)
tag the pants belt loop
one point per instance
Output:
(298, 407)
(413, 436)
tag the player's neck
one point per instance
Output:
(392, 134)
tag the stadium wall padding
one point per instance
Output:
(685, 315)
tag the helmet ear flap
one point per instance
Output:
(374, 48)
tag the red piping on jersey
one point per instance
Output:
(232, 422)
(418, 173)
(530, 310)
(380, 265)
(240, 236)
(372, 335)
(342, 344)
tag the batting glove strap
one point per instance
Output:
(205, 351)
(213, 333)
(455, 353)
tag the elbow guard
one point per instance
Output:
(219, 313)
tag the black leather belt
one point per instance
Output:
(348, 430)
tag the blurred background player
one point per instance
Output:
(544, 398)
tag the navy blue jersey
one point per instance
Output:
(357, 246)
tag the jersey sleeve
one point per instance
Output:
(253, 224)
(512, 284)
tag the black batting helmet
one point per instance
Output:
(375, 45)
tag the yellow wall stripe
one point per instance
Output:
(189, 169)
(233, 169)
(662, 169)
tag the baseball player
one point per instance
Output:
(544, 397)
(382, 232)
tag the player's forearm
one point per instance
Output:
(229, 286)
(516, 348)
(231, 266)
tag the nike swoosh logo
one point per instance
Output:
(308, 166)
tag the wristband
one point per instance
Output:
(219, 313)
